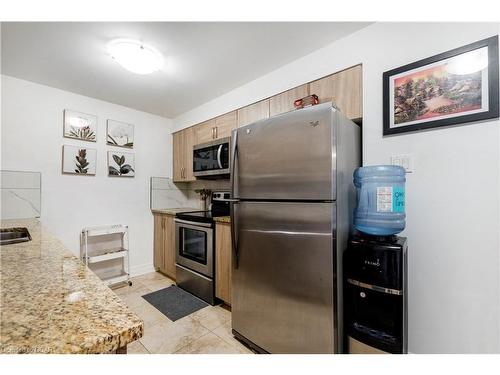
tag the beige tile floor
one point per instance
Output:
(206, 331)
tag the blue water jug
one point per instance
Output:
(381, 199)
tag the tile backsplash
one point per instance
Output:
(164, 193)
(20, 194)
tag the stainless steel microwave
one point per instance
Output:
(211, 159)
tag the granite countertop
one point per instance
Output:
(173, 210)
(222, 219)
(52, 303)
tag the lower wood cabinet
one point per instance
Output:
(223, 262)
(164, 244)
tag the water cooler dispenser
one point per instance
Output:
(375, 295)
(375, 264)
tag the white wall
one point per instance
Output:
(31, 140)
(452, 197)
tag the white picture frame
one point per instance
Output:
(78, 125)
(79, 160)
(119, 134)
(121, 164)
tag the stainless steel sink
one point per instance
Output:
(14, 235)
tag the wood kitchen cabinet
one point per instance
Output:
(205, 131)
(283, 102)
(219, 127)
(225, 124)
(178, 156)
(344, 89)
(253, 112)
(164, 244)
(183, 142)
(223, 262)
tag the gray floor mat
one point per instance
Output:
(174, 302)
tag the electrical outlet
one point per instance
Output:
(405, 161)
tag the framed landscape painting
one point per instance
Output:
(451, 88)
(121, 164)
(80, 126)
(79, 160)
(120, 134)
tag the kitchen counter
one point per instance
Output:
(222, 219)
(52, 303)
(174, 210)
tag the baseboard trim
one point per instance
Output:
(141, 269)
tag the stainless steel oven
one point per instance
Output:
(195, 246)
(194, 243)
(211, 159)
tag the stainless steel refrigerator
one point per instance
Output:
(291, 181)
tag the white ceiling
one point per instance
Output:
(203, 60)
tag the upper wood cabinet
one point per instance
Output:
(253, 112)
(183, 142)
(190, 141)
(344, 89)
(283, 102)
(205, 131)
(164, 244)
(225, 124)
(223, 262)
(178, 156)
(219, 127)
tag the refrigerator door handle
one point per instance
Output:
(234, 241)
(234, 151)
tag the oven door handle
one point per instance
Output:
(193, 224)
(219, 152)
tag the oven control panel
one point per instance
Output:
(221, 195)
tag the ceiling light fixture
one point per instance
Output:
(135, 56)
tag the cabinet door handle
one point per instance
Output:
(216, 132)
(213, 133)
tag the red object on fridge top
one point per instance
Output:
(306, 101)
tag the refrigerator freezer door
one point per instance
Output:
(283, 288)
(287, 157)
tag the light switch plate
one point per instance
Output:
(403, 160)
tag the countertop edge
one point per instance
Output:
(125, 326)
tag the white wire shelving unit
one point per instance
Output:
(92, 257)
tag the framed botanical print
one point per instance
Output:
(451, 88)
(79, 160)
(120, 134)
(80, 126)
(121, 164)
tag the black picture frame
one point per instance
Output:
(493, 110)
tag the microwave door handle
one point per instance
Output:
(219, 152)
